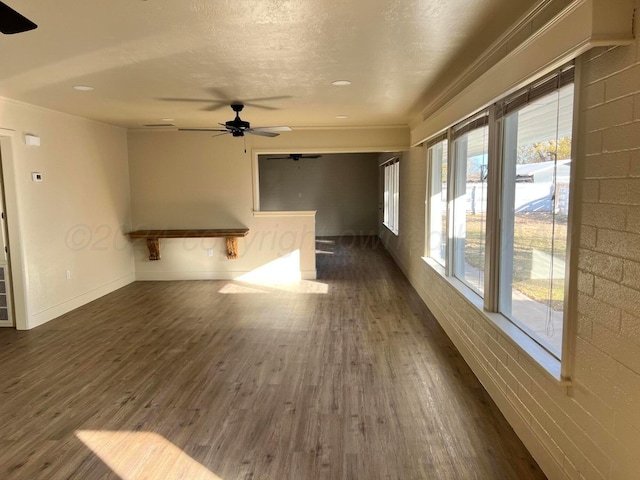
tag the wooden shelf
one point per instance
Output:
(153, 238)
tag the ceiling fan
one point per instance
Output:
(295, 157)
(223, 100)
(238, 127)
(13, 22)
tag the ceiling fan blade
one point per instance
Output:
(215, 106)
(227, 100)
(13, 22)
(262, 133)
(281, 128)
(264, 99)
(263, 107)
(293, 156)
(221, 94)
(203, 130)
(174, 99)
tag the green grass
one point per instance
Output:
(533, 234)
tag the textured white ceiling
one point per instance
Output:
(138, 54)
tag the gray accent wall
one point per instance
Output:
(343, 188)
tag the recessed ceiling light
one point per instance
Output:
(341, 83)
(168, 119)
(342, 116)
(83, 88)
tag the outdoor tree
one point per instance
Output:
(544, 151)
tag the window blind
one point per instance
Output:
(437, 139)
(549, 84)
(473, 123)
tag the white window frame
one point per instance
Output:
(490, 302)
(458, 188)
(433, 201)
(509, 134)
(391, 200)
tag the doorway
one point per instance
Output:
(6, 310)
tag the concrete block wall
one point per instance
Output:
(607, 362)
(591, 429)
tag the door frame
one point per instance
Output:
(17, 271)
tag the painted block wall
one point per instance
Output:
(590, 430)
(607, 365)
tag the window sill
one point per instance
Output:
(548, 363)
(395, 232)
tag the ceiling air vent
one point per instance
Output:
(159, 125)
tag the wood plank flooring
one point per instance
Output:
(347, 377)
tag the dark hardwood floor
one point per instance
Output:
(346, 377)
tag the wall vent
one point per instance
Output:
(4, 304)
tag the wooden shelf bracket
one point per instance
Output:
(153, 238)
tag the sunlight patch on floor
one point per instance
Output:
(143, 455)
(300, 286)
(281, 270)
(234, 288)
(281, 274)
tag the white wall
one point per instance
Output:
(191, 180)
(591, 429)
(73, 220)
(342, 188)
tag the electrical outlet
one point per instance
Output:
(36, 176)
(68, 274)
(209, 252)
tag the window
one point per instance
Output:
(535, 198)
(437, 200)
(498, 205)
(391, 197)
(470, 202)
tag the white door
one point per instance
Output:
(6, 314)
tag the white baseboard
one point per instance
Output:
(309, 274)
(206, 275)
(75, 302)
(186, 275)
(56, 311)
